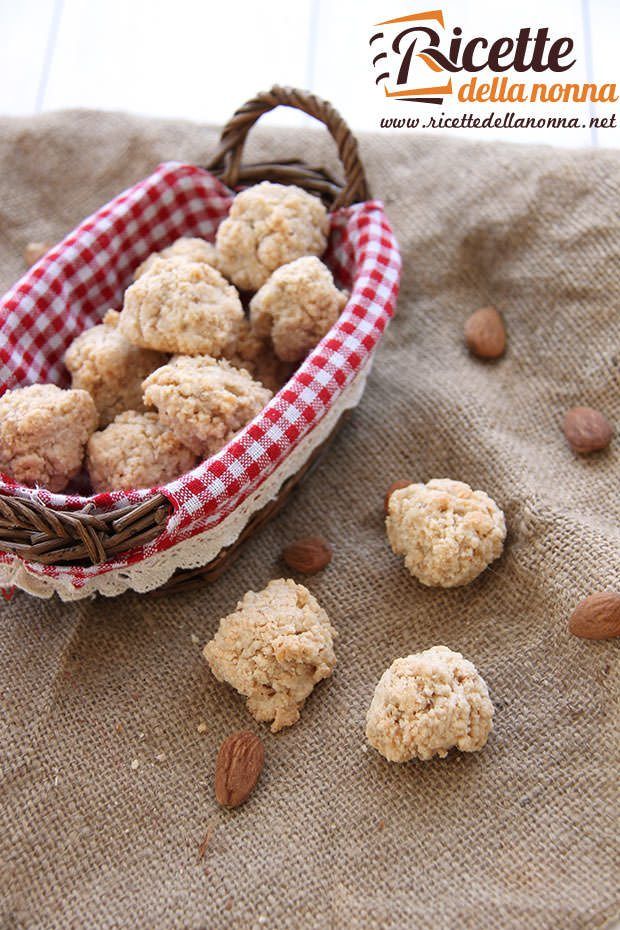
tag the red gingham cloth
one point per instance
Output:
(72, 286)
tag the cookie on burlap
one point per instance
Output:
(273, 649)
(447, 532)
(428, 703)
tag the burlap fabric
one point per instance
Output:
(522, 835)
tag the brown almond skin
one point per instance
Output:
(34, 251)
(308, 555)
(238, 767)
(485, 333)
(587, 430)
(395, 486)
(597, 617)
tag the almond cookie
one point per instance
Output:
(273, 649)
(102, 362)
(447, 533)
(184, 249)
(204, 401)
(296, 307)
(268, 226)
(428, 703)
(256, 355)
(185, 307)
(43, 432)
(136, 451)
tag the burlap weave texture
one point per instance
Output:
(520, 836)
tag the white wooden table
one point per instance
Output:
(200, 59)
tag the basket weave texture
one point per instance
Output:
(70, 288)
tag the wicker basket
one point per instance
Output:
(189, 531)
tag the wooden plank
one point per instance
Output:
(25, 27)
(191, 59)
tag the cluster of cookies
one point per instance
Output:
(279, 643)
(207, 333)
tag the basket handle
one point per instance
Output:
(226, 162)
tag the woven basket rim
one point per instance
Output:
(82, 519)
(74, 530)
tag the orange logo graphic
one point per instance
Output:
(401, 43)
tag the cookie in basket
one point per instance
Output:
(256, 355)
(136, 451)
(185, 307)
(268, 226)
(296, 307)
(204, 401)
(184, 249)
(43, 432)
(102, 362)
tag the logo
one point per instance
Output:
(416, 59)
(407, 57)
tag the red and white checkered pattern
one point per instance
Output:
(72, 286)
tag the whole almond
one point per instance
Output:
(308, 555)
(587, 430)
(597, 617)
(485, 333)
(238, 767)
(395, 486)
(34, 251)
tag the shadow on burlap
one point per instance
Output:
(520, 836)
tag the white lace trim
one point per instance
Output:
(151, 573)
